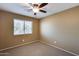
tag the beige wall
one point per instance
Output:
(7, 39)
(63, 28)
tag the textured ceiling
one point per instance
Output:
(51, 8)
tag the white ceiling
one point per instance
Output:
(51, 8)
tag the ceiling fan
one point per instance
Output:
(36, 7)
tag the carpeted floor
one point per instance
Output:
(34, 49)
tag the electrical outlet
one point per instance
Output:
(55, 41)
(23, 40)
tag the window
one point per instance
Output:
(28, 27)
(22, 27)
(18, 27)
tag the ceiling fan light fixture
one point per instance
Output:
(36, 10)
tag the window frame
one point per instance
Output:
(23, 26)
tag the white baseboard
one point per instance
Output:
(59, 48)
(18, 45)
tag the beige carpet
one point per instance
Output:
(35, 49)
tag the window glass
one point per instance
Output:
(28, 27)
(22, 27)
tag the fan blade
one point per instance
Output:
(26, 5)
(42, 11)
(42, 5)
(34, 13)
(31, 5)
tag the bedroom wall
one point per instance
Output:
(7, 39)
(62, 29)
